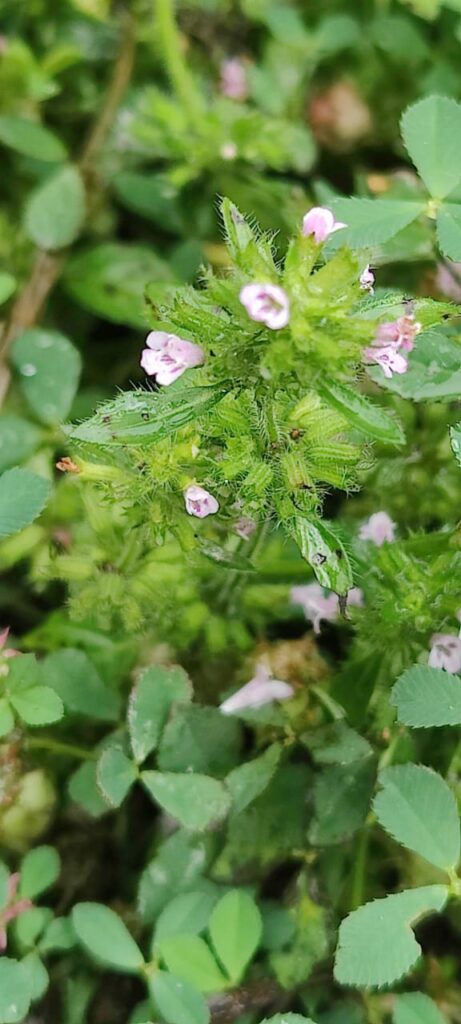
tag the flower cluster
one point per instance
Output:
(389, 341)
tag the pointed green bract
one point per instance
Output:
(416, 1008)
(106, 937)
(23, 496)
(235, 928)
(197, 801)
(376, 944)
(426, 696)
(431, 132)
(418, 809)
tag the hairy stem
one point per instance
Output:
(58, 747)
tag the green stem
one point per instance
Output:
(58, 747)
(170, 47)
(334, 710)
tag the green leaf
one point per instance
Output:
(426, 696)
(419, 810)
(376, 944)
(416, 1008)
(372, 221)
(59, 936)
(431, 131)
(177, 867)
(434, 370)
(186, 914)
(49, 366)
(324, 552)
(250, 779)
(18, 440)
(156, 691)
(39, 870)
(449, 230)
(288, 1018)
(106, 937)
(8, 285)
(29, 925)
(110, 280)
(152, 196)
(38, 705)
(83, 788)
(23, 496)
(55, 210)
(362, 414)
(177, 1001)
(197, 739)
(6, 717)
(455, 440)
(189, 957)
(115, 774)
(197, 801)
(15, 992)
(142, 417)
(336, 743)
(75, 679)
(31, 139)
(342, 796)
(37, 975)
(235, 929)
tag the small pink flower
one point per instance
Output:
(199, 502)
(379, 528)
(233, 82)
(167, 357)
(387, 358)
(387, 334)
(266, 303)
(245, 527)
(12, 909)
(261, 690)
(228, 151)
(408, 328)
(6, 652)
(320, 222)
(367, 280)
(445, 652)
(319, 606)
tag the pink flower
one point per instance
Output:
(320, 222)
(399, 333)
(167, 357)
(12, 909)
(233, 83)
(261, 690)
(245, 527)
(319, 606)
(379, 528)
(266, 303)
(6, 652)
(228, 151)
(445, 652)
(367, 280)
(200, 502)
(387, 358)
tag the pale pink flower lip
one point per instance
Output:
(262, 689)
(367, 280)
(379, 528)
(167, 356)
(234, 82)
(199, 502)
(319, 606)
(320, 222)
(267, 303)
(445, 652)
(387, 358)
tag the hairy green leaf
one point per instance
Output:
(106, 937)
(23, 496)
(430, 128)
(418, 809)
(55, 210)
(362, 414)
(426, 696)
(48, 366)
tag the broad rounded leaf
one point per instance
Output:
(115, 774)
(449, 230)
(48, 366)
(197, 801)
(31, 139)
(372, 221)
(110, 280)
(178, 1002)
(235, 929)
(23, 496)
(15, 994)
(249, 780)
(186, 914)
(55, 211)
(106, 937)
(431, 132)
(156, 691)
(434, 370)
(376, 944)
(39, 869)
(426, 696)
(189, 957)
(37, 975)
(74, 677)
(418, 809)
(416, 1008)
(18, 440)
(38, 705)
